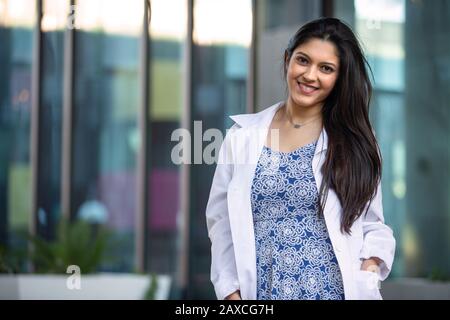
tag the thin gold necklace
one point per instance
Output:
(298, 125)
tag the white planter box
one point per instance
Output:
(415, 289)
(103, 286)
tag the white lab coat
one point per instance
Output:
(230, 220)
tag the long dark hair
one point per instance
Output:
(353, 163)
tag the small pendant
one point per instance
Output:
(297, 126)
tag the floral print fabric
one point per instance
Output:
(294, 254)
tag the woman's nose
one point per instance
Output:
(310, 74)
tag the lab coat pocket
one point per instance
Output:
(368, 285)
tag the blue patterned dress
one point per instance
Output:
(294, 254)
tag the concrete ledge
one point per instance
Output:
(415, 289)
(108, 286)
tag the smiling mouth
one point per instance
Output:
(306, 88)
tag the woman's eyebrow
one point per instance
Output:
(326, 62)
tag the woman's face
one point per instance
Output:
(312, 72)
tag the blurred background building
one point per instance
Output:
(90, 94)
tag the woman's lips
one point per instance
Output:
(306, 90)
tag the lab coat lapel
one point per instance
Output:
(248, 142)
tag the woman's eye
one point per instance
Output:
(327, 69)
(302, 60)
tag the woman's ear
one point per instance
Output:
(286, 61)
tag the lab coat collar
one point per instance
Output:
(263, 119)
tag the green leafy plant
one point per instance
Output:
(150, 294)
(5, 264)
(77, 243)
(439, 275)
(12, 261)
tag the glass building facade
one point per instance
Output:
(91, 92)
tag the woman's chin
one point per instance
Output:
(304, 102)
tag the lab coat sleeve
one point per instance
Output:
(378, 238)
(223, 263)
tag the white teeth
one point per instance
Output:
(306, 88)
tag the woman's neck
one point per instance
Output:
(300, 114)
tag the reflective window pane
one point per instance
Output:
(168, 36)
(105, 133)
(17, 18)
(219, 88)
(281, 14)
(53, 24)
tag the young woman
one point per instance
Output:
(300, 216)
